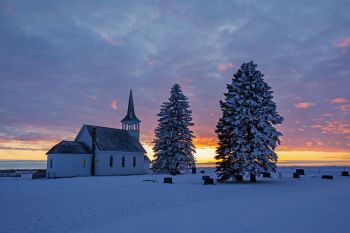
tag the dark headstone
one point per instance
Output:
(300, 171)
(252, 178)
(194, 170)
(296, 175)
(239, 177)
(329, 177)
(344, 173)
(267, 174)
(202, 172)
(168, 180)
(177, 172)
(209, 181)
(205, 177)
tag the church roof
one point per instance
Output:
(110, 139)
(69, 147)
(130, 116)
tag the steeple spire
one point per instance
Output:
(130, 116)
(130, 122)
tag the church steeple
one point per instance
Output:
(130, 122)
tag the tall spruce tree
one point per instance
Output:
(246, 133)
(173, 147)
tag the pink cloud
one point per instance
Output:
(111, 41)
(10, 10)
(339, 101)
(114, 104)
(343, 43)
(343, 108)
(225, 67)
(337, 127)
(303, 105)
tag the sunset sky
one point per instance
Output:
(68, 63)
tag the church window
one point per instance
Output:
(83, 163)
(111, 161)
(134, 161)
(51, 163)
(123, 161)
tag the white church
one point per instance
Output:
(101, 151)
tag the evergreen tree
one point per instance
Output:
(246, 133)
(173, 139)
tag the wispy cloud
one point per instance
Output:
(114, 104)
(337, 127)
(303, 105)
(111, 41)
(343, 43)
(226, 67)
(339, 101)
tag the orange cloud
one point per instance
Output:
(304, 105)
(339, 101)
(114, 105)
(201, 142)
(317, 126)
(225, 67)
(343, 43)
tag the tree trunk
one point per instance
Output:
(252, 178)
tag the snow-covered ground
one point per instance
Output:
(127, 204)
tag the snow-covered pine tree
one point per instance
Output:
(246, 133)
(173, 147)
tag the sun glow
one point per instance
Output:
(205, 152)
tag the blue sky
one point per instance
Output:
(66, 63)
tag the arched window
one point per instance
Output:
(134, 161)
(123, 161)
(111, 161)
(51, 163)
(83, 163)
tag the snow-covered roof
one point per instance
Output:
(69, 147)
(110, 139)
(147, 159)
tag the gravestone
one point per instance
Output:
(328, 177)
(296, 175)
(208, 181)
(300, 171)
(344, 173)
(168, 180)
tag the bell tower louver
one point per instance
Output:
(130, 122)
